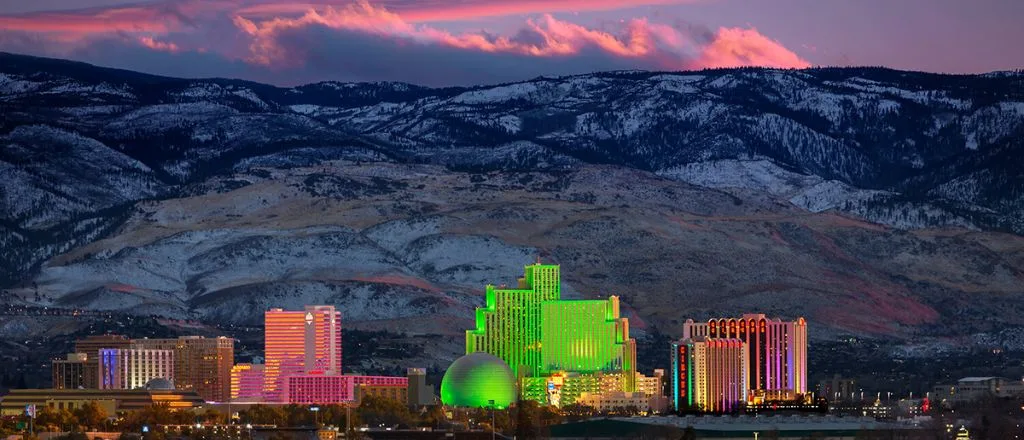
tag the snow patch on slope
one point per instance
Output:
(808, 192)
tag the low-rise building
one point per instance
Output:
(621, 401)
(113, 400)
(334, 389)
(387, 387)
(651, 385)
(971, 389)
(247, 382)
(419, 392)
(313, 388)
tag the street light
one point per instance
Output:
(491, 404)
(316, 413)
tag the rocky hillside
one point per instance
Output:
(874, 202)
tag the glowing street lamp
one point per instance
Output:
(316, 413)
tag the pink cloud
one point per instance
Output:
(414, 12)
(93, 21)
(661, 44)
(559, 37)
(159, 45)
(737, 47)
(281, 35)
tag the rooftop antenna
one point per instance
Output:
(538, 259)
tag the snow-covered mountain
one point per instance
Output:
(216, 198)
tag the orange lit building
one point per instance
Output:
(201, 364)
(297, 343)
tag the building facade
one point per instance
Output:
(201, 364)
(128, 369)
(557, 349)
(585, 337)
(709, 375)
(91, 346)
(69, 373)
(651, 385)
(13, 404)
(332, 389)
(247, 382)
(384, 387)
(509, 326)
(776, 351)
(297, 343)
(318, 389)
(971, 389)
(619, 401)
(419, 392)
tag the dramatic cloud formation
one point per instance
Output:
(287, 42)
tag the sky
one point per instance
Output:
(468, 42)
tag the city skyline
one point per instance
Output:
(289, 42)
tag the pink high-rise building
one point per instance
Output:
(300, 343)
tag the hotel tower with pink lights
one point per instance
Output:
(299, 343)
(302, 363)
(771, 354)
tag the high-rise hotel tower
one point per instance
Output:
(709, 374)
(298, 343)
(509, 325)
(776, 352)
(557, 349)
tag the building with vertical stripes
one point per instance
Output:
(709, 375)
(91, 346)
(69, 373)
(776, 351)
(585, 336)
(129, 369)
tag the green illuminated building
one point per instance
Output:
(568, 387)
(585, 337)
(509, 326)
(557, 348)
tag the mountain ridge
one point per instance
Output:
(209, 199)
